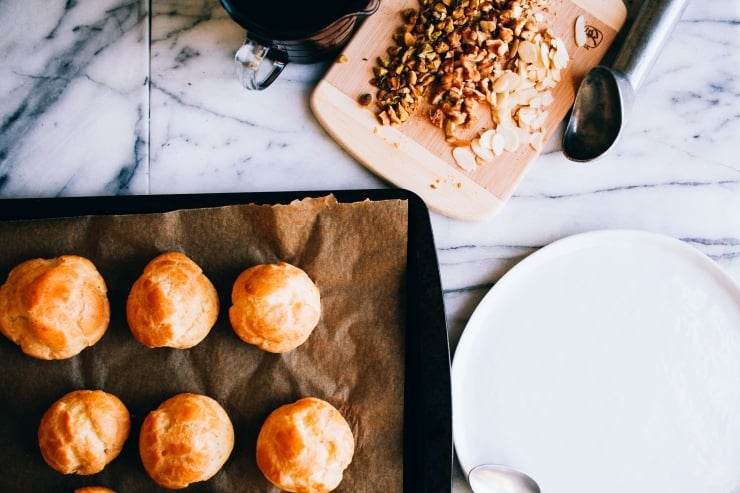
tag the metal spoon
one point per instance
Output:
(492, 478)
(605, 95)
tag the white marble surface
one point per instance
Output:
(97, 100)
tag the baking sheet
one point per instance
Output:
(374, 355)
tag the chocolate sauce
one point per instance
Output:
(289, 19)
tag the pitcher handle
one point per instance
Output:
(249, 60)
(370, 9)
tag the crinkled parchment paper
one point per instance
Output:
(356, 254)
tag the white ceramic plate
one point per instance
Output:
(607, 361)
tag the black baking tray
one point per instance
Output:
(428, 445)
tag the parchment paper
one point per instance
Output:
(356, 254)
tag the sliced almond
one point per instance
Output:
(511, 138)
(528, 52)
(516, 11)
(497, 144)
(484, 152)
(464, 158)
(580, 31)
(485, 138)
(544, 59)
(559, 55)
(506, 82)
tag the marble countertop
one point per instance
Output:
(111, 97)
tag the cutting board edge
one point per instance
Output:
(404, 162)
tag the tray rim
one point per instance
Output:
(428, 445)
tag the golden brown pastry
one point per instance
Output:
(83, 431)
(54, 308)
(274, 306)
(172, 304)
(94, 489)
(305, 446)
(188, 438)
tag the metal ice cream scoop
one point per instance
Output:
(491, 478)
(606, 94)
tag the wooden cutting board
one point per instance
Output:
(415, 155)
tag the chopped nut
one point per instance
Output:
(342, 58)
(537, 140)
(457, 54)
(365, 99)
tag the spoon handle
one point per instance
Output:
(645, 39)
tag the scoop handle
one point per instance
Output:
(647, 36)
